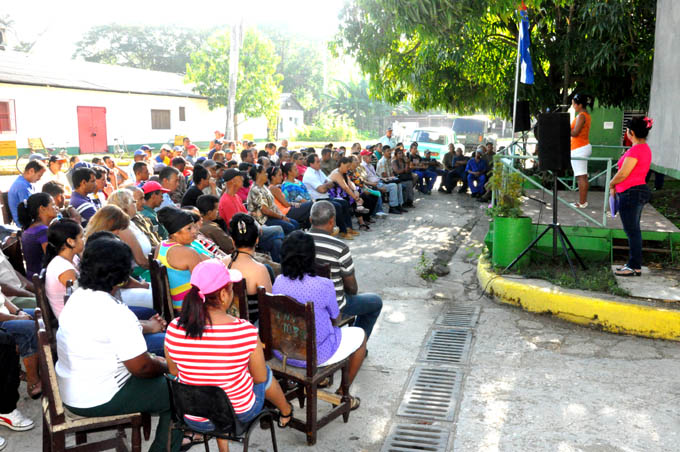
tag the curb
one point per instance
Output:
(612, 316)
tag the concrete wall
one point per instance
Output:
(664, 107)
(51, 114)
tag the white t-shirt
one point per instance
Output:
(312, 179)
(8, 276)
(142, 239)
(96, 334)
(54, 289)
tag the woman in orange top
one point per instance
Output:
(580, 146)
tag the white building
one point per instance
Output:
(291, 117)
(86, 106)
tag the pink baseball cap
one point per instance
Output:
(211, 275)
(365, 152)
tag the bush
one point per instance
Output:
(327, 128)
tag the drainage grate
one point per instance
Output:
(432, 393)
(448, 346)
(416, 438)
(459, 316)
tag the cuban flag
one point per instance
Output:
(526, 69)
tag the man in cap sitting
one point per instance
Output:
(153, 198)
(164, 156)
(476, 174)
(54, 174)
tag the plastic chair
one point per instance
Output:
(211, 402)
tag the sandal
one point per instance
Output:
(193, 440)
(355, 402)
(365, 227)
(289, 417)
(34, 391)
(627, 271)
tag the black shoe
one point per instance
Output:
(409, 204)
(442, 189)
(461, 190)
(402, 209)
(395, 210)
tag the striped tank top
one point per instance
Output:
(178, 280)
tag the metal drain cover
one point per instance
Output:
(459, 316)
(449, 346)
(416, 437)
(432, 393)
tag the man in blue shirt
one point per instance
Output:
(23, 187)
(476, 169)
(388, 139)
(84, 183)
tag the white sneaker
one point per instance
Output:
(16, 421)
(381, 214)
(579, 205)
(3, 443)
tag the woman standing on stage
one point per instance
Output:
(629, 186)
(580, 146)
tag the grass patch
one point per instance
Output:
(597, 278)
(424, 268)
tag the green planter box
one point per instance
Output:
(510, 237)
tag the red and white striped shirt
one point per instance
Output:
(219, 358)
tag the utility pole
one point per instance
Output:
(234, 49)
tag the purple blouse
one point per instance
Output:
(32, 240)
(322, 293)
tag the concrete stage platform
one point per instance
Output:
(651, 219)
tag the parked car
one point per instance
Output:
(434, 139)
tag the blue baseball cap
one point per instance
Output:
(140, 151)
(145, 147)
(82, 165)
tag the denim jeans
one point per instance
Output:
(426, 180)
(287, 227)
(396, 197)
(407, 190)
(366, 307)
(24, 334)
(343, 215)
(271, 240)
(631, 202)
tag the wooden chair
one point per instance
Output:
(51, 324)
(58, 421)
(14, 252)
(4, 207)
(289, 327)
(239, 307)
(160, 289)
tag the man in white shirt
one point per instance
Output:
(388, 139)
(317, 185)
(54, 174)
(374, 180)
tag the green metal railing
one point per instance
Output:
(508, 160)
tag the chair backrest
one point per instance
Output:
(210, 402)
(289, 327)
(69, 290)
(15, 254)
(4, 207)
(160, 289)
(323, 270)
(50, 320)
(51, 398)
(240, 302)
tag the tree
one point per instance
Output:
(301, 64)
(351, 99)
(159, 48)
(460, 55)
(259, 88)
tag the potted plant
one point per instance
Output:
(511, 230)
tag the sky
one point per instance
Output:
(58, 25)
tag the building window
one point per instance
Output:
(160, 119)
(182, 114)
(7, 116)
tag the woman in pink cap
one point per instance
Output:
(236, 365)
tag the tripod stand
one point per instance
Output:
(557, 232)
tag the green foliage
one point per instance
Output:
(327, 128)
(507, 186)
(460, 55)
(424, 268)
(159, 48)
(258, 88)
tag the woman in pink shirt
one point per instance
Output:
(631, 191)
